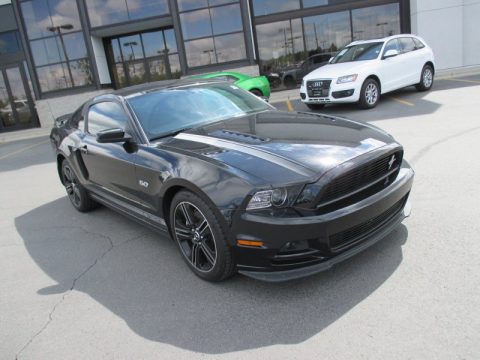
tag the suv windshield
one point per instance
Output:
(167, 111)
(359, 52)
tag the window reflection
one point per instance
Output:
(280, 44)
(9, 42)
(147, 56)
(201, 27)
(327, 33)
(376, 21)
(101, 12)
(265, 7)
(57, 43)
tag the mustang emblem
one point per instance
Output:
(391, 162)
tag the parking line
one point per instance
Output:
(289, 105)
(401, 101)
(467, 81)
(23, 149)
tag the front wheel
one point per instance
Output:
(77, 194)
(369, 94)
(426, 80)
(200, 237)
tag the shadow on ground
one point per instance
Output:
(139, 276)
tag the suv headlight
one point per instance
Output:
(347, 79)
(277, 198)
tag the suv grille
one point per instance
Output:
(318, 88)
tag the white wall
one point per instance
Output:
(101, 60)
(450, 27)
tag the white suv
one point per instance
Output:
(363, 70)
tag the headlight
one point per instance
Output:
(277, 198)
(347, 79)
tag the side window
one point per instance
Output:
(418, 44)
(231, 79)
(392, 45)
(407, 45)
(106, 115)
(220, 78)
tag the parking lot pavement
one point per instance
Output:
(99, 286)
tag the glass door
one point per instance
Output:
(16, 104)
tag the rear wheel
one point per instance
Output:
(200, 237)
(256, 92)
(370, 94)
(77, 194)
(315, 106)
(426, 80)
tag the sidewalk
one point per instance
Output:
(23, 134)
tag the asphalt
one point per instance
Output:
(99, 286)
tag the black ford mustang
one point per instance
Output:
(237, 184)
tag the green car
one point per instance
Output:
(257, 85)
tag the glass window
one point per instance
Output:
(418, 44)
(265, 7)
(407, 44)
(117, 54)
(42, 17)
(101, 12)
(310, 3)
(376, 22)
(57, 43)
(392, 45)
(170, 40)
(106, 115)
(200, 52)
(77, 119)
(280, 44)
(360, 52)
(327, 33)
(196, 24)
(137, 73)
(185, 5)
(175, 70)
(6, 112)
(131, 47)
(53, 77)
(9, 42)
(153, 43)
(226, 19)
(230, 47)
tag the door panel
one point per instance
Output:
(390, 69)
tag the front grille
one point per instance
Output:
(361, 182)
(361, 231)
(318, 88)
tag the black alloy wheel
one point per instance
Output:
(370, 94)
(200, 237)
(76, 192)
(426, 79)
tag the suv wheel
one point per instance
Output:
(426, 80)
(370, 94)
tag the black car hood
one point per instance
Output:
(282, 146)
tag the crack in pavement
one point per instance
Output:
(422, 152)
(77, 278)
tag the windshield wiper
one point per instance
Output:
(170, 133)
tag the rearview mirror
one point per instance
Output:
(390, 53)
(112, 136)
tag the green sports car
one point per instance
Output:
(257, 85)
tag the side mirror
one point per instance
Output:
(390, 53)
(112, 136)
(330, 60)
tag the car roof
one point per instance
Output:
(385, 39)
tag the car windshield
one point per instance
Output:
(168, 111)
(360, 52)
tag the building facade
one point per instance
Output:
(56, 48)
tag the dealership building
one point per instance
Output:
(55, 54)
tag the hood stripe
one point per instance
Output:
(249, 150)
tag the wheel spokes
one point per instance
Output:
(186, 214)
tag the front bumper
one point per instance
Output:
(369, 220)
(338, 93)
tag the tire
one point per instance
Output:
(290, 82)
(200, 237)
(256, 92)
(315, 106)
(77, 194)
(426, 79)
(369, 94)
